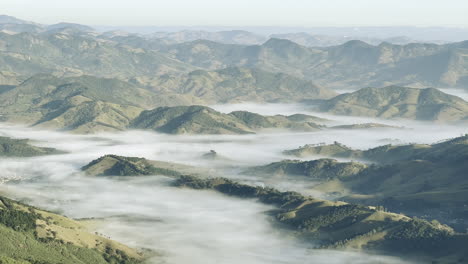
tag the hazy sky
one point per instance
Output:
(243, 12)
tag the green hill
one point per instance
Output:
(82, 104)
(113, 165)
(423, 180)
(332, 150)
(320, 170)
(449, 150)
(399, 102)
(241, 85)
(29, 235)
(204, 120)
(21, 148)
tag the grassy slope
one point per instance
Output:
(21, 148)
(236, 84)
(31, 235)
(204, 120)
(415, 179)
(399, 102)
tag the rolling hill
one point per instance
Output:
(10, 147)
(204, 120)
(421, 180)
(353, 64)
(29, 235)
(241, 85)
(399, 102)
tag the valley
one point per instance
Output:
(279, 145)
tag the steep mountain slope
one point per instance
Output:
(29, 235)
(241, 84)
(399, 102)
(204, 120)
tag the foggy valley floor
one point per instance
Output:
(190, 226)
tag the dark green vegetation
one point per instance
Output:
(113, 165)
(423, 180)
(321, 169)
(31, 236)
(10, 147)
(399, 102)
(364, 126)
(341, 225)
(204, 120)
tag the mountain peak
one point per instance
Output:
(277, 42)
(357, 43)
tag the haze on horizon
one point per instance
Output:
(294, 13)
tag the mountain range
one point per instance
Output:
(70, 50)
(90, 104)
(352, 64)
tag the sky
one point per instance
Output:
(305, 13)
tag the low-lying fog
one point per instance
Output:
(188, 226)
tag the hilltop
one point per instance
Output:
(114, 165)
(204, 120)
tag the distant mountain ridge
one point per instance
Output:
(204, 120)
(399, 102)
(236, 84)
(73, 49)
(352, 64)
